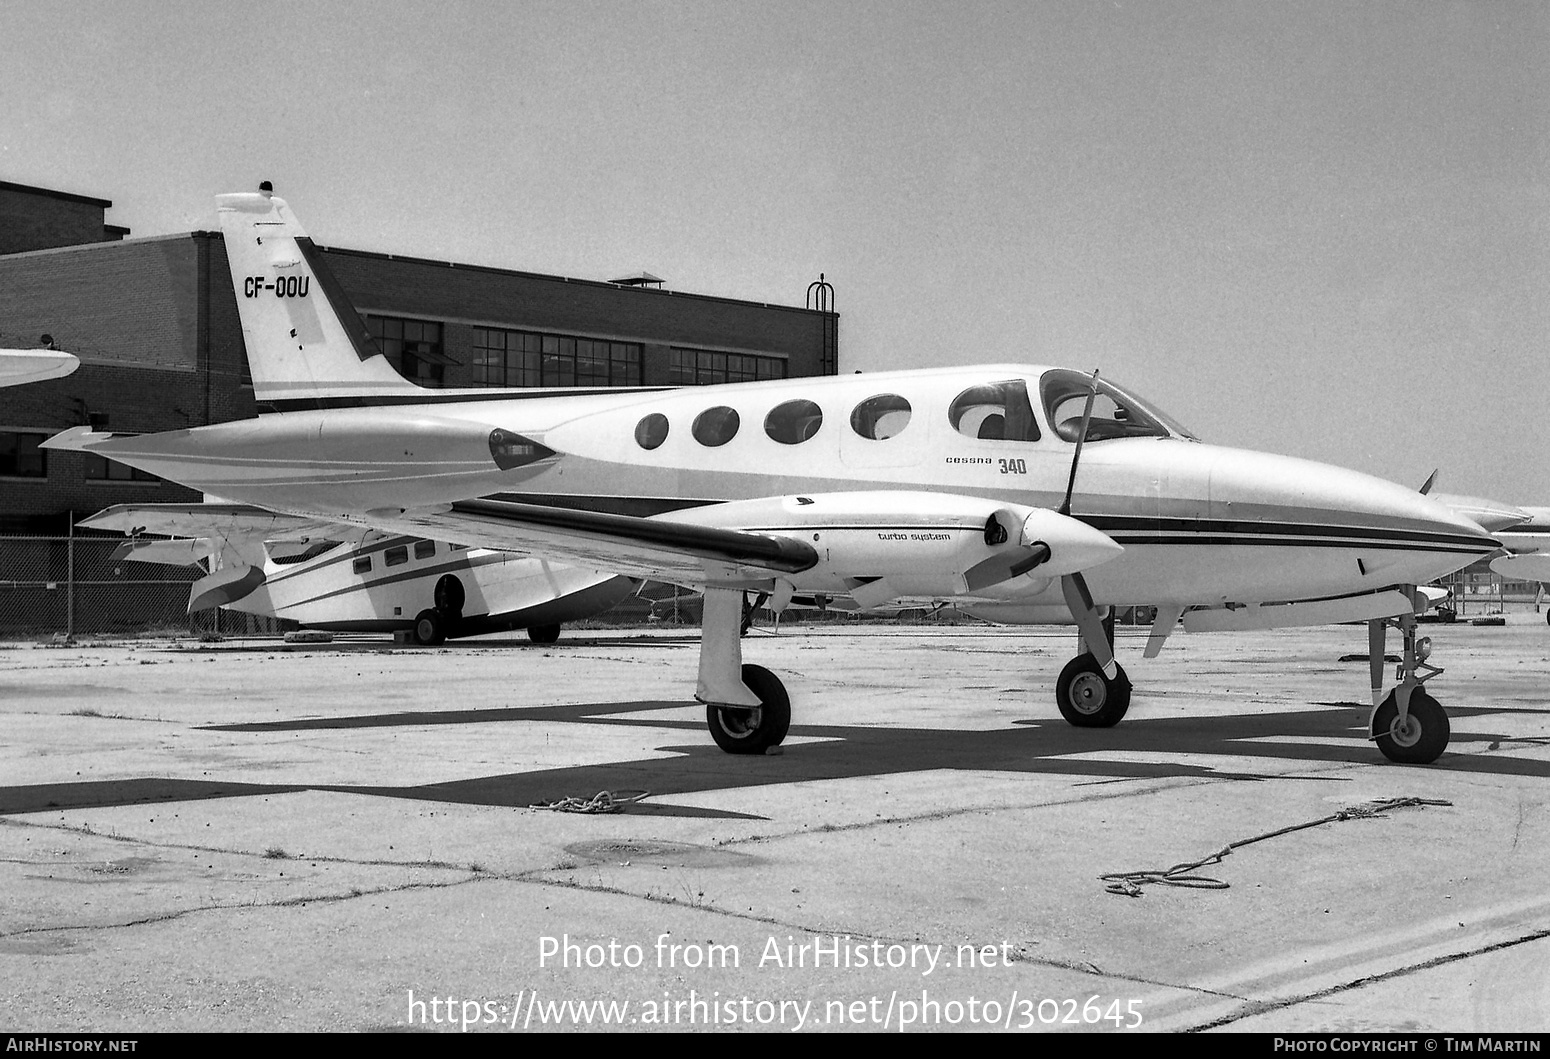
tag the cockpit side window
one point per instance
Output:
(1115, 413)
(995, 411)
(880, 418)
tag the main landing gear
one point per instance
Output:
(432, 625)
(1408, 725)
(1093, 691)
(1089, 699)
(543, 634)
(746, 706)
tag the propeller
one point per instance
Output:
(1087, 416)
(1047, 542)
(1073, 585)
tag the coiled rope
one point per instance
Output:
(1129, 883)
(601, 802)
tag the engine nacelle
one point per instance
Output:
(879, 546)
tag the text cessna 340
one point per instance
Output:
(1018, 490)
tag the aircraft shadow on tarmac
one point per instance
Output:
(1045, 747)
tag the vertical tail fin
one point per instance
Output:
(305, 341)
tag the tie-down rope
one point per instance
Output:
(601, 802)
(1129, 883)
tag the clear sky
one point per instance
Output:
(1318, 228)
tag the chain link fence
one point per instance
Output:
(74, 586)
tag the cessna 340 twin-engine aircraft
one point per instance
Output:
(280, 566)
(1019, 488)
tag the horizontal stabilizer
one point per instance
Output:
(21, 366)
(1534, 567)
(172, 553)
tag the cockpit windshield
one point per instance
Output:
(1115, 414)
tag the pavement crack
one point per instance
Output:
(288, 902)
(1260, 1007)
(265, 854)
(1021, 956)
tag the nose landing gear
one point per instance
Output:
(1408, 724)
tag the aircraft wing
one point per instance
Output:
(670, 548)
(21, 366)
(237, 529)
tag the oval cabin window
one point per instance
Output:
(715, 426)
(880, 418)
(793, 422)
(651, 431)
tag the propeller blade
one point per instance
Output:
(1049, 544)
(1087, 416)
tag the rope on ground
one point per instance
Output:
(1129, 883)
(601, 802)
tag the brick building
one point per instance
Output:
(154, 323)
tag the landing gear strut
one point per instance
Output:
(746, 706)
(1408, 725)
(1093, 691)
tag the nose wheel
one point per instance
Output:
(1417, 738)
(1409, 726)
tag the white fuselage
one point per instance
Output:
(1199, 524)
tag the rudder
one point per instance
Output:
(305, 342)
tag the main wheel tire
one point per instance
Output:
(1087, 698)
(1421, 739)
(430, 628)
(543, 633)
(753, 731)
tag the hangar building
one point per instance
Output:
(154, 322)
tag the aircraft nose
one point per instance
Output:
(1389, 533)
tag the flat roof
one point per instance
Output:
(489, 269)
(28, 189)
(610, 285)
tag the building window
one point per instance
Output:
(704, 367)
(20, 456)
(411, 346)
(102, 469)
(528, 358)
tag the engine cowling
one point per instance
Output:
(880, 546)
